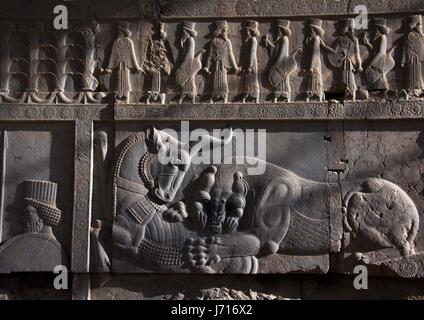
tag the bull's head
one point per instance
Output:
(172, 160)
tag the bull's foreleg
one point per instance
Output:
(126, 235)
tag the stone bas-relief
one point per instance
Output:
(165, 62)
(37, 249)
(386, 161)
(343, 185)
(228, 219)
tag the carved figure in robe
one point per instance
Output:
(122, 60)
(314, 85)
(157, 65)
(413, 57)
(347, 59)
(381, 60)
(283, 63)
(250, 66)
(185, 75)
(220, 59)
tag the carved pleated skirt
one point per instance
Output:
(283, 87)
(251, 83)
(189, 86)
(415, 78)
(314, 84)
(155, 81)
(348, 77)
(220, 82)
(123, 84)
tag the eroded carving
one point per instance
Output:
(37, 248)
(46, 66)
(185, 75)
(250, 65)
(220, 60)
(283, 63)
(158, 64)
(122, 61)
(382, 61)
(412, 57)
(230, 219)
(346, 58)
(314, 86)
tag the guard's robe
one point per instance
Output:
(122, 59)
(220, 60)
(282, 67)
(185, 75)
(380, 64)
(412, 58)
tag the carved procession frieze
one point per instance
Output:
(239, 61)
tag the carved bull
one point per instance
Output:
(177, 217)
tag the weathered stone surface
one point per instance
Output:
(249, 8)
(376, 149)
(85, 119)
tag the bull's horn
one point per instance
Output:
(206, 140)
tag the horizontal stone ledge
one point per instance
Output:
(258, 8)
(360, 110)
(54, 112)
(133, 9)
(275, 111)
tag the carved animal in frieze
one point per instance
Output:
(168, 218)
(381, 215)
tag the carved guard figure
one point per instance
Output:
(412, 57)
(220, 59)
(37, 248)
(347, 59)
(122, 60)
(185, 75)
(314, 43)
(382, 61)
(157, 65)
(283, 63)
(250, 66)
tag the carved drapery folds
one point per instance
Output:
(219, 61)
